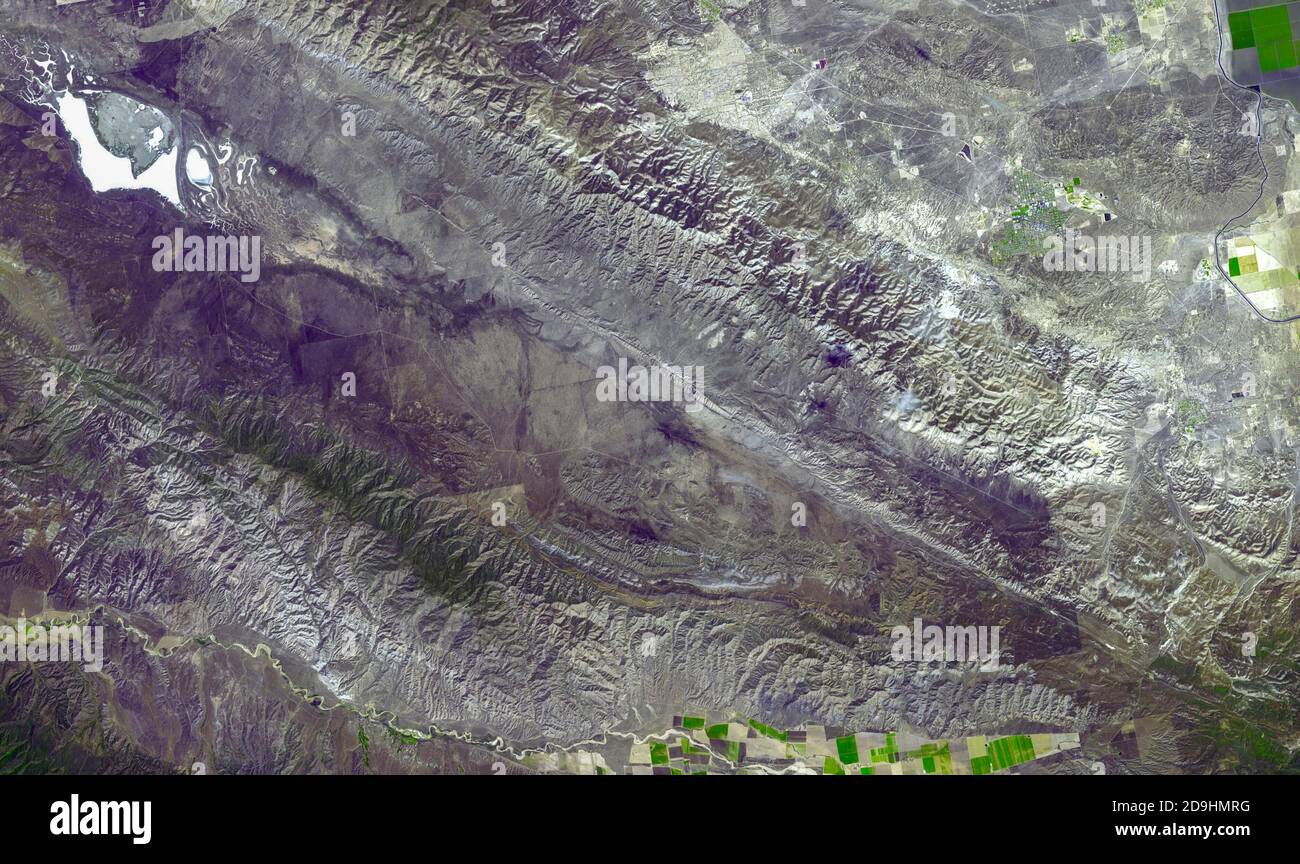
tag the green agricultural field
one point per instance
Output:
(1268, 31)
(848, 748)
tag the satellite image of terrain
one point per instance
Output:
(649, 387)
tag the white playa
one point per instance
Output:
(197, 169)
(106, 171)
